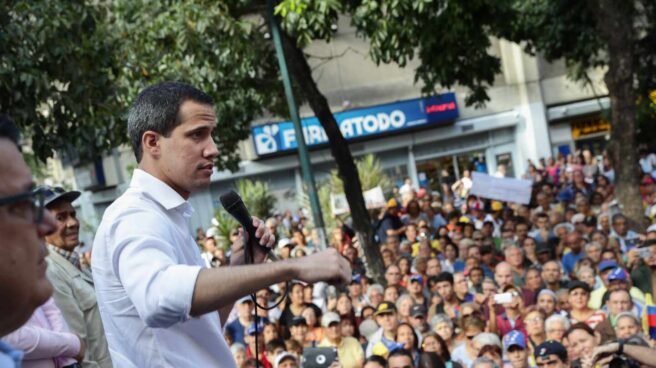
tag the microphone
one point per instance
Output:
(232, 203)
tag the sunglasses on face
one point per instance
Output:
(35, 201)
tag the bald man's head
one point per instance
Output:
(503, 274)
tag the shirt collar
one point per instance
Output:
(158, 191)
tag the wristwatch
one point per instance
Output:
(620, 348)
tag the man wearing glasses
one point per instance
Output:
(74, 290)
(23, 225)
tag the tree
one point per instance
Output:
(257, 198)
(617, 35)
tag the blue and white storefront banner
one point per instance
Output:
(358, 123)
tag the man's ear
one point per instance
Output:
(150, 143)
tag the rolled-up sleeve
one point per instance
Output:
(149, 269)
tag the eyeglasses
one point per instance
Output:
(470, 337)
(35, 201)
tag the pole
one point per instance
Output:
(303, 155)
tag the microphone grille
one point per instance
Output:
(229, 199)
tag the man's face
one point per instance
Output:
(445, 289)
(387, 321)
(551, 361)
(400, 361)
(411, 233)
(522, 231)
(551, 273)
(245, 310)
(503, 276)
(186, 157)
(393, 275)
(415, 287)
(23, 280)
(298, 332)
(433, 267)
(514, 256)
(542, 222)
(574, 241)
(459, 283)
(333, 331)
(476, 276)
(594, 253)
(518, 357)
(66, 236)
(619, 302)
(619, 225)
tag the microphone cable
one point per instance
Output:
(249, 258)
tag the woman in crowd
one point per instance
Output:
(443, 326)
(295, 304)
(466, 353)
(432, 342)
(315, 332)
(451, 262)
(626, 325)
(555, 327)
(403, 305)
(406, 335)
(579, 296)
(581, 340)
(529, 246)
(404, 265)
(534, 325)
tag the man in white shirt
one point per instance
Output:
(157, 301)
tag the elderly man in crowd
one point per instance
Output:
(74, 287)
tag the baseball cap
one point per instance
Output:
(392, 203)
(368, 328)
(590, 221)
(56, 194)
(385, 307)
(578, 285)
(255, 327)
(514, 338)
(417, 278)
(542, 247)
(551, 347)
(578, 218)
(284, 242)
(284, 356)
(496, 206)
(244, 299)
(418, 310)
(297, 321)
(355, 279)
(328, 318)
(606, 265)
(617, 274)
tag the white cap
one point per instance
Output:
(282, 356)
(328, 318)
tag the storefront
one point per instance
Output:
(579, 126)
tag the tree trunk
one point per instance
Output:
(615, 22)
(340, 151)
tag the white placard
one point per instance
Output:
(373, 198)
(501, 189)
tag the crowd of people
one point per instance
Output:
(468, 282)
(564, 281)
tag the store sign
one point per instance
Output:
(589, 126)
(358, 123)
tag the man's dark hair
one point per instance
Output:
(444, 276)
(400, 352)
(157, 109)
(376, 359)
(617, 217)
(430, 360)
(274, 344)
(9, 130)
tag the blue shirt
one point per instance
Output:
(9, 357)
(569, 261)
(236, 330)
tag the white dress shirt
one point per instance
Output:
(145, 264)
